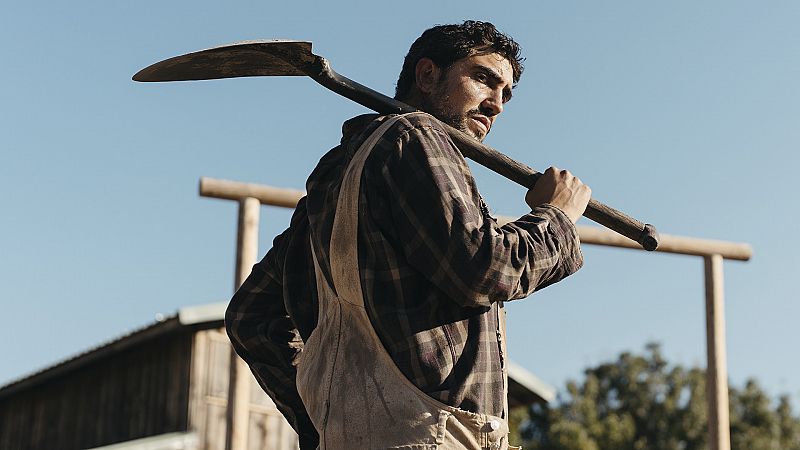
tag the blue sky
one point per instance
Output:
(682, 114)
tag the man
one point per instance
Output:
(376, 320)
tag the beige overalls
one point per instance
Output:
(356, 396)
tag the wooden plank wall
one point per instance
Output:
(208, 400)
(139, 392)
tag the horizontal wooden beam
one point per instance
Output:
(236, 190)
(268, 195)
(666, 243)
(669, 244)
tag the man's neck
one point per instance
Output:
(415, 100)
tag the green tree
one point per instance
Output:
(641, 402)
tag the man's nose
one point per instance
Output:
(493, 104)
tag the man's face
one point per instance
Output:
(471, 93)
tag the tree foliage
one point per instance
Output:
(640, 402)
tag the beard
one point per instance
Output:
(438, 105)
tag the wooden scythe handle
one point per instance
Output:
(321, 72)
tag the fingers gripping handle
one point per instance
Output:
(643, 233)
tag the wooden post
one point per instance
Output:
(717, 372)
(238, 415)
(246, 239)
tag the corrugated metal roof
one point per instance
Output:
(523, 385)
(525, 388)
(190, 315)
(187, 316)
(78, 359)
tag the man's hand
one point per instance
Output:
(561, 189)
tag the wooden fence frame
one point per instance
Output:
(251, 196)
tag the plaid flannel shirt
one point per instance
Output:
(435, 269)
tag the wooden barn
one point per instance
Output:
(164, 386)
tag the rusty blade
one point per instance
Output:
(273, 57)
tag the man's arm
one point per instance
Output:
(263, 334)
(446, 232)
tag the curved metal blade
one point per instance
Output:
(240, 59)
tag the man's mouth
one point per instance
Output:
(484, 122)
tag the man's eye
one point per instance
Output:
(480, 76)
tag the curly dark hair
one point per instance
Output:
(446, 44)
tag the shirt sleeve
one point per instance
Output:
(264, 336)
(447, 234)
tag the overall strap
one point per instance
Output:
(344, 236)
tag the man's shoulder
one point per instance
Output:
(360, 127)
(417, 130)
(417, 121)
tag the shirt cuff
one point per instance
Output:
(561, 226)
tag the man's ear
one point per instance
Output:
(427, 75)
